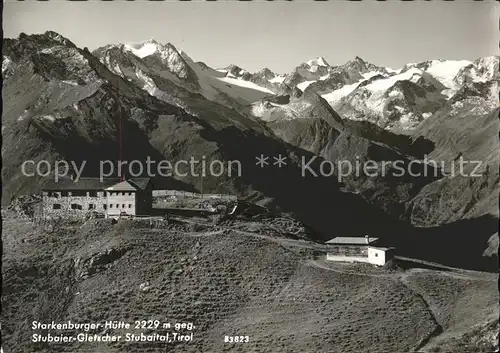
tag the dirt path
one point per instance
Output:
(321, 263)
(284, 241)
(206, 234)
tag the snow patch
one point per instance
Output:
(5, 63)
(47, 50)
(258, 109)
(303, 85)
(243, 83)
(278, 79)
(370, 74)
(335, 96)
(50, 118)
(72, 83)
(142, 49)
(445, 71)
(265, 110)
(395, 94)
(149, 85)
(386, 83)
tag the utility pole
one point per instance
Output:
(120, 141)
(201, 184)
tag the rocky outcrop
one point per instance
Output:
(96, 262)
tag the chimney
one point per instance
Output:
(367, 239)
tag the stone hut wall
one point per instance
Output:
(66, 210)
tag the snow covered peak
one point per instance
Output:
(480, 71)
(264, 74)
(446, 70)
(320, 61)
(166, 53)
(488, 61)
(358, 59)
(58, 38)
(488, 66)
(234, 71)
(143, 49)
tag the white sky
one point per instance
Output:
(277, 35)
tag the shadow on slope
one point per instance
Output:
(459, 244)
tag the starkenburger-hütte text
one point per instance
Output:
(87, 337)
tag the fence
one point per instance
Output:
(192, 195)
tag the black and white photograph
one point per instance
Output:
(250, 176)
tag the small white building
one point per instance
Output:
(358, 249)
(380, 255)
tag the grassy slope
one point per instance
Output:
(227, 284)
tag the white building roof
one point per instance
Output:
(130, 184)
(124, 185)
(351, 241)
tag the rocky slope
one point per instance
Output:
(225, 283)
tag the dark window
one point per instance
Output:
(91, 206)
(93, 193)
(104, 206)
(111, 206)
(376, 255)
(64, 193)
(129, 206)
(79, 193)
(129, 194)
(123, 205)
(56, 206)
(75, 206)
(117, 206)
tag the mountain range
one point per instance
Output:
(358, 90)
(65, 102)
